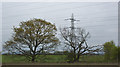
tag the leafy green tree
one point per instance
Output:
(32, 37)
(119, 54)
(111, 51)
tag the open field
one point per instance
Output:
(0, 60)
(55, 59)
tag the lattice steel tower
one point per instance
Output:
(72, 19)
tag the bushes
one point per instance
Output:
(119, 54)
(111, 51)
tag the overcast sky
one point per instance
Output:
(98, 18)
(60, 0)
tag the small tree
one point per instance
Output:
(111, 51)
(119, 54)
(32, 37)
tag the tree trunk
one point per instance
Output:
(74, 55)
(74, 58)
(78, 56)
(33, 58)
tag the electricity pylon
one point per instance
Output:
(72, 19)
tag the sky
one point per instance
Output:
(0, 26)
(100, 19)
(60, 0)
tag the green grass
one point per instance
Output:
(96, 59)
(40, 58)
(12, 58)
(93, 58)
(53, 59)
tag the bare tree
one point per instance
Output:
(76, 42)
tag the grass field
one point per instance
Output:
(0, 59)
(54, 59)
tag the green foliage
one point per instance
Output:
(111, 51)
(119, 54)
(34, 29)
(32, 37)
